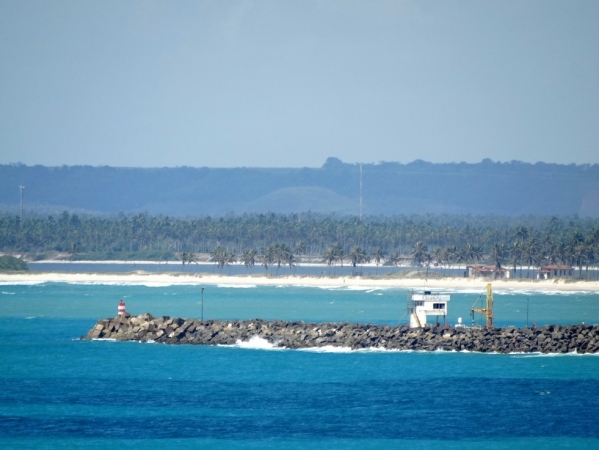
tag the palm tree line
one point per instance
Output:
(521, 243)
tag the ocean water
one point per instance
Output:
(59, 392)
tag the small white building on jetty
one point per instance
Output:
(426, 304)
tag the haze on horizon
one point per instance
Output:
(288, 84)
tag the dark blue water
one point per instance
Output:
(59, 392)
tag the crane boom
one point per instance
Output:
(487, 311)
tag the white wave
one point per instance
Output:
(361, 288)
(550, 355)
(257, 343)
(367, 289)
(453, 351)
(237, 286)
(437, 291)
(326, 349)
(8, 293)
(149, 341)
(531, 292)
(127, 283)
(334, 349)
(465, 291)
(21, 283)
(504, 291)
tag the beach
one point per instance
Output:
(174, 278)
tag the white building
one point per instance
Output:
(426, 304)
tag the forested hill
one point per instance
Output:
(513, 188)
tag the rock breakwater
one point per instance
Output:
(294, 335)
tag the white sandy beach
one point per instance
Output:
(261, 280)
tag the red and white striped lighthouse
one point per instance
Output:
(121, 308)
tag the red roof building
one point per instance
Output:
(554, 271)
(488, 272)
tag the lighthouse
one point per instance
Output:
(121, 308)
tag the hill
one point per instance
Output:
(513, 188)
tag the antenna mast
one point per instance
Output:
(360, 191)
(21, 189)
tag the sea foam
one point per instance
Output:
(237, 286)
(256, 343)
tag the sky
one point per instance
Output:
(230, 83)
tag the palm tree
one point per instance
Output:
(516, 251)
(498, 254)
(394, 259)
(248, 257)
(357, 255)
(282, 254)
(191, 258)
(267, 257)
(290, 260)
(576, 238)
(428, 259)
(339, 253)
(74, 250)
(454, 256)
(329, 256)
(580, 257)
(230, 258)
(222, 257)
(216, 255)
(531, 252)
(522, 233)
(445, 258)
(378, 256)
(300, 248)
(473, 253)
(333, 254)
(419, 253)
(563, 253)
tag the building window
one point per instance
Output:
(438, 305)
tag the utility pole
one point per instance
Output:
(21, 189)
(360, 192)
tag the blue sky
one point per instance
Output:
(290, 83)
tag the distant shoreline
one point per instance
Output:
(200, 279)
(212, 264)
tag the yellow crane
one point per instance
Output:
(487, 311)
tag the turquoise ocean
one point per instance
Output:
(57, 391)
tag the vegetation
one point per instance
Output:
(10, 263)
(522, 243)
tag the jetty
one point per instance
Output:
(297, 335)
